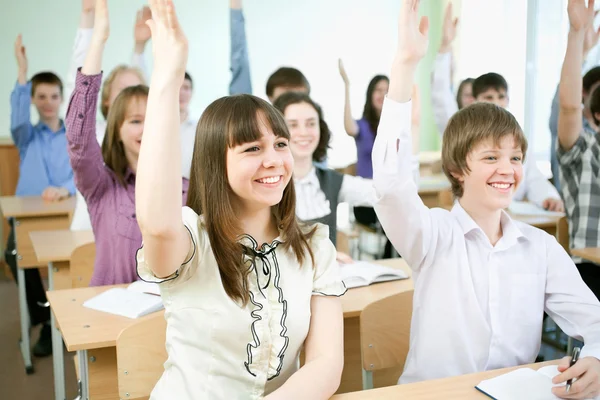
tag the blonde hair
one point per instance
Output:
(469, 127)
(105, 95)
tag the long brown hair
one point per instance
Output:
(228, 122)
(105, 94)
(112, 146)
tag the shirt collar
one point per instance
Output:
(42, 127)
(510, 231)
(310, 179)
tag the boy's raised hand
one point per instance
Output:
(101, 22)
(169, 44)
(413, 31)
(448, 30)
(343, 73)
(580, 16)
(141, 31)
(20, 54)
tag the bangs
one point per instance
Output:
(246, 117)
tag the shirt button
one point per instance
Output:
(132, 215)
(80, 116)
(86, 83)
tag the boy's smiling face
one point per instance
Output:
(495, 171)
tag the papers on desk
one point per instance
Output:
(527, 208)
(521, 384)
(139, 299)
(363, 273)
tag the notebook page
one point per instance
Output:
(520, 384)
(363, 273)
(126, 303)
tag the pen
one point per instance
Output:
(574, 358)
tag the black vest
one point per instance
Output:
(331, 184)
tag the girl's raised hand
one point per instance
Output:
(413, 32)
(169, 44)
(343, 73)
(101, 22)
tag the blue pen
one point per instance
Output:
(574, 358)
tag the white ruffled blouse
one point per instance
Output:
(218, 349)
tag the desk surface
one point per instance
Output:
(539, 221)
(84, 328)
(459, 387)
(56, 246)
(34, 206)
(591, 253)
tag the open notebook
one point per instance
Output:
(521, 384)
(527, 208)
(139, 299)
(363, 273)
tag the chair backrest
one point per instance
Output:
(385, 331)
(141, 354)
(82, 265)
(562, 233)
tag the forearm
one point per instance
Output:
(442, 100)
(350, 124)
(93, 60)
(402, 77)
(570, 92)
(324, 375)
(159, 163)
(22, 76)
(239, 59)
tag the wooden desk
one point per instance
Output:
(591, 254)
(9, 176)
(93, 334)
(32, 214)
(430, 188)
(54, 248)
(459, 387)
(546, 223)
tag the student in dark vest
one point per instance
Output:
(318, 190)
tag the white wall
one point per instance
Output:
(309, 35)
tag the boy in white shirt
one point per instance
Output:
(482, 280)
(491, 88)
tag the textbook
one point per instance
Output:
(138, 299)
(522, 384)
(362, 273)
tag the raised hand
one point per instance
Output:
(101, 22)
(590, 39)
(580, 16)
(448, 30)
(20, 55)
(169, 44)
(141, 31)
(413, 32)
(343, 73)
(88, 5)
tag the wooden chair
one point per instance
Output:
(562, 233)
(82, 265)
(385, 334)
(141, 354)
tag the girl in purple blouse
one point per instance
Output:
(105, 175)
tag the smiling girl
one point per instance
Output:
(245, 286)
(106, 176)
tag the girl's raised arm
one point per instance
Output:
(158, 181)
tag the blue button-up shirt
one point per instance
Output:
(43, 152)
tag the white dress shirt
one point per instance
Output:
(311, 202)
(534, 186)
(476, 306)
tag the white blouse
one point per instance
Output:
(218, 349)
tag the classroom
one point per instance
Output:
(344, 200)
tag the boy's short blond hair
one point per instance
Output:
(469, 127)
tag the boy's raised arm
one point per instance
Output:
(404, 217)
(21, 129)
(240, 61)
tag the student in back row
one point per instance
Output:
(44, 170)
(491, 88)
(246, 286)
(482, 280)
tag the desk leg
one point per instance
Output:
(24, 314)
(84, 389)
(57, 348)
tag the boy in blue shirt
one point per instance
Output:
(44, 169)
